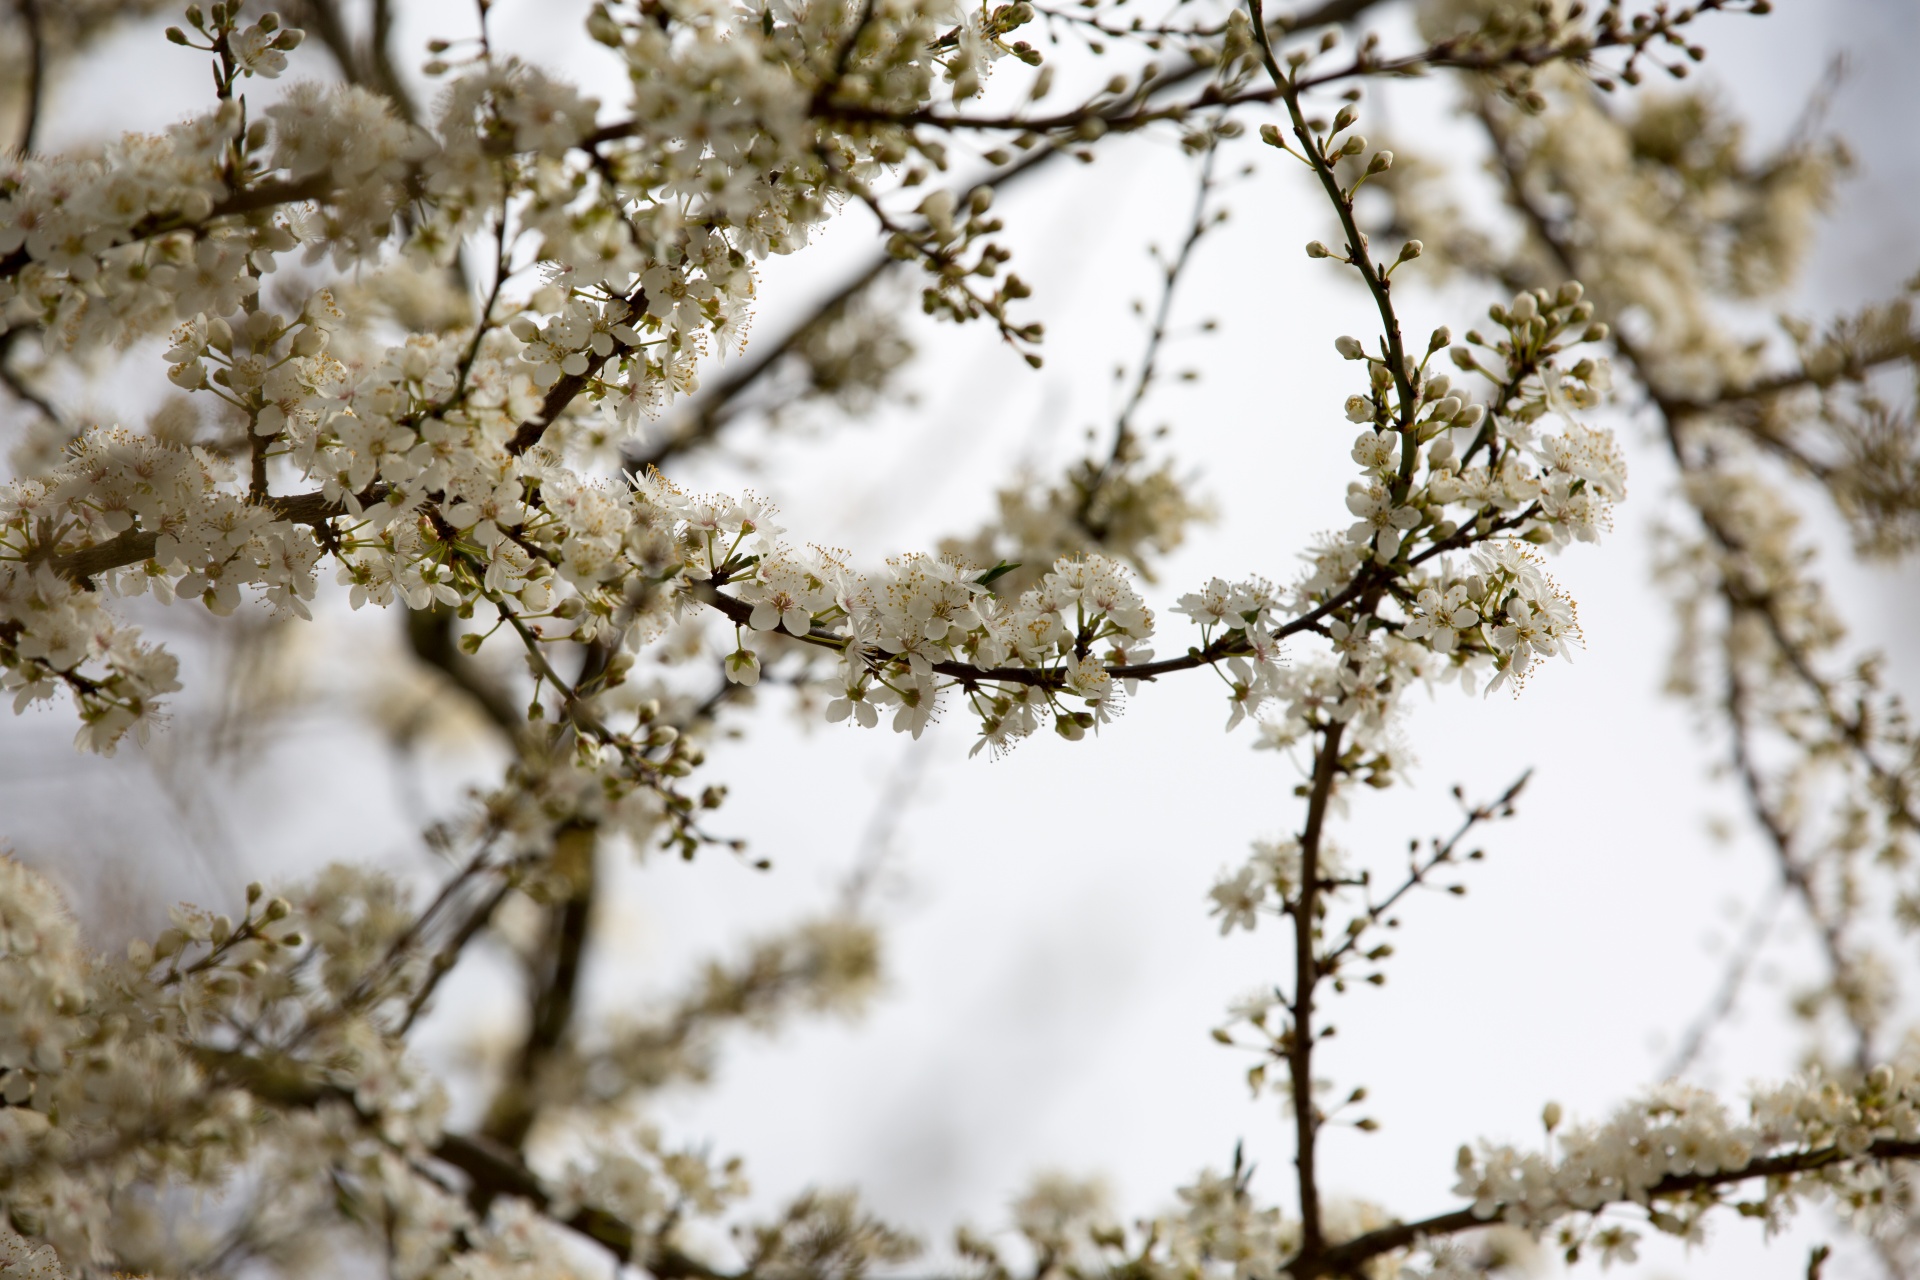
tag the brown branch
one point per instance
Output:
(563, 392)
(449, 954)
(431, 636)
(35, 88)
(1346, 1257)
(1780, 384)
(515, 1106)
(270, 194)
(1794, 873)
(1674, 413)
(716, 407)
(136, 545)
(1123, 448)
(1418, 871)
(17, 385)
(1358, 253)
(489, 1168)
(1305, 913)
(1130, 113)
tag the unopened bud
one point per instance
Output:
(1317, 250)
(1381, 162)
(1349, 348)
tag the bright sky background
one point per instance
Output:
(1052, 973)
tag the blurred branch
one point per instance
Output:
(16, 385)
(34, 90)
(1345, 1258)
(1739, 964)
(1829, 922)
(1850, 728)
(431, 634)
(1125, 439)
(515, 1104)
(369, 64)
(720, 405)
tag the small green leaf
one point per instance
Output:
(1000, 570)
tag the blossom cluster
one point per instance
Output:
(1656, 1153)
(607, 247)
(122, 1069)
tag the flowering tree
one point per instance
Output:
(419, 353)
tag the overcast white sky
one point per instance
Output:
(1052, 971)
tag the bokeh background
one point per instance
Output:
(1052, 974)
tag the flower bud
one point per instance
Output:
(1350, 348)
(1381, 162)
(1317, 250)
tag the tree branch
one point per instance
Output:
(1305, 912)
(1346, 1257)
(35, 88)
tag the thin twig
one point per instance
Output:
(1739, 964)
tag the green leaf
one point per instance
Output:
(1000, 570)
